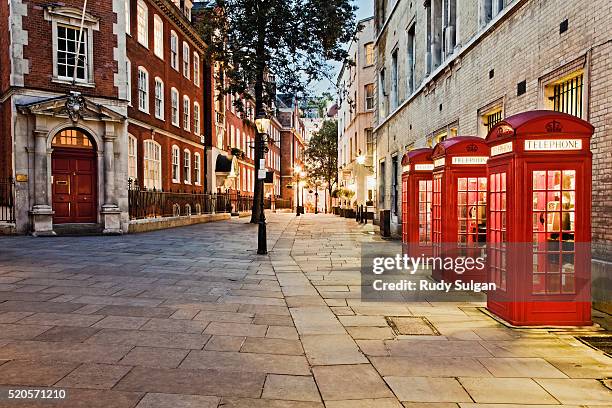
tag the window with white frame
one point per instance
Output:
(152, 165)
(174, 50)
(158, 36)
(142, 17)
(186, 59)
(187, 166)
(128, 22)
(159, 98)
(174, 102)
(71, 56)
(196, 118)
(197, 177)
(176, 158)
(132, 158)
(143, 90)
(128, 81)
(196, 69)
(186, 113)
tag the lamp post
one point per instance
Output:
(316, 198)
(262, 123)
(297, 169)
(302, 182)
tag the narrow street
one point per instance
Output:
(192, 317)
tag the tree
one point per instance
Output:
(322, 155)
(262, 46)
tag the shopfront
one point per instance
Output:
(539, 215)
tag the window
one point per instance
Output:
(186, 113)
(382, 174)
(369, 54)
(152, 165)
(496, 234)
(370, 146)
(369, 96)
(185, 59)
(425, 199)
(128, 81)
(67, 55)
(174, 101)
(132, 158)
(128, 27)
(159, 99)
(472, 210)
(143, 23)
(143, 90)
(394, 81)
(489, 9)
(187, 167)
(158, 36)
(196, 69)
(492, 118)
(411, 76)
(567, 95)
(197, 178)
(174, 50)
(394, 184)
(175, 164)
(196, 118)
(449, 30)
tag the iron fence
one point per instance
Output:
(7, 200)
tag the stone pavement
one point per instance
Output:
(192, 317)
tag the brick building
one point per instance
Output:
(444, 69)
(292, 146)
(77, 122)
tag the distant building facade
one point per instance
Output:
(292, 147)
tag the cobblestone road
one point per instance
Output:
(192, 317)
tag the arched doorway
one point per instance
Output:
(73, 167)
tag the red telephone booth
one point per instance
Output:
(540, 219)
(417, 191)
(459, 204)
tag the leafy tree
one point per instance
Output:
(262, 46)
(322, 155)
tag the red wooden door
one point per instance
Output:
(74, 186)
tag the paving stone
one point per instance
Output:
(227, 317)
(577, 391)
(224, 343)
(175, 326)
(581, 368)
(446, 405)
(264, 309)
(12, 317)
(41, 307)
(81, 398)
(429, 367)
(21, 332)
(289, 387)
(504, 391)
(266, 403)
(273, 320)
(118, 301)
(332, 349)
(185, 314)
(67, 334)
(121, 322)
(373, 347)
(376, 321)
(149, 339)
(344, 382)
(157, 400)
(521, 367)
(316, 320)
(365, 403)
(427, 389)
(137, 311)
(63, 351)
(246, 362)
(94, 376)
(236, 329)
(61, 319)
(40, 373)
(199, 382)
(282, 332)
(272, 346)
(155, 357)
(436, 348)
(370, 333)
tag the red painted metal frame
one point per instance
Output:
(446, 235)
(411, 178)
(517, 302)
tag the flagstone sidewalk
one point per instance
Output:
(192, 317)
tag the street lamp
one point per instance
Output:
(262, 123)
(361, 159)
(297, 170)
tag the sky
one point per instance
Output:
(366, 9)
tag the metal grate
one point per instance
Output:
(492, 119)
(7, 200)
(567, 96)
(603, 343)
(411, 325)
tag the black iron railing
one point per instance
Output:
(7, 200)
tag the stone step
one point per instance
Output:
(77, 229)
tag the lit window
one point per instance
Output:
(175, 164)
(186, 113)
(185, 59)
(158, 36)
(159, 99)
(369, 54)
(143, 23)
(196, 118)
(567, 95)
(369, 96)
(152, 165)
(143, 90)
(174, 50)
(197, 178)
(196, 69)
(187, 167)
(492, 118)
(67, 55)
(174, 102)
(132, 158)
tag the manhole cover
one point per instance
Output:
(603, 343)
(411, 325)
